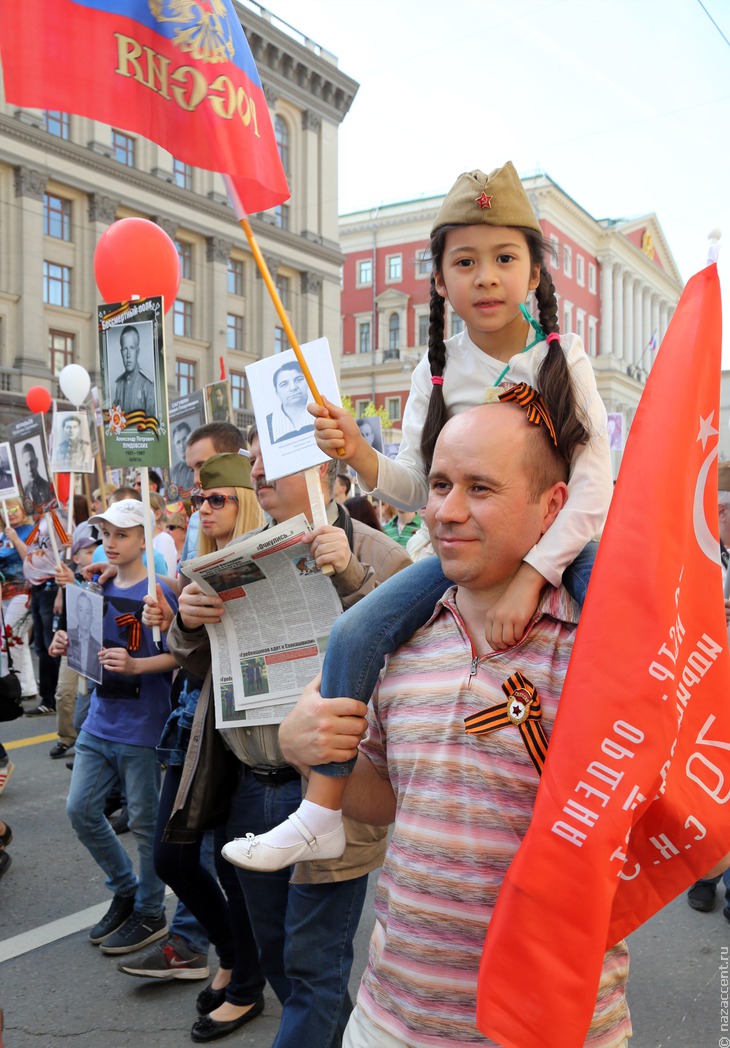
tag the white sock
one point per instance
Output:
(317, 819)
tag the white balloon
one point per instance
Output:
(75, 383)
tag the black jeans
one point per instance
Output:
(42, 599)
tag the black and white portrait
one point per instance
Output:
(84, 618)
(218, 399)
(34, 471)
(371, 430)
(71, 447)
(290, 416)
(130, 368)
(8, 480)
(181, 475)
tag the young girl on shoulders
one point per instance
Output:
(488, 254)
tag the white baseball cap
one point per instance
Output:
(127, 513)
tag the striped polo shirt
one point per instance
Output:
(464, 803)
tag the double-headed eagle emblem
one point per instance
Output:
(202, 27)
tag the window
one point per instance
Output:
(185, 253)
(567, 316)
(235, 276)
(567, 261)
(238, 390)
(281, 342)
(365, 272)
(185, 376)
(364, 337)
(580, 324)
(281, 216)
(182, 318)
(591, 278)
(234, 332)
(580, 270)
(281, 133)
(554, 247)
(61, 346)
(393, 405)
(457, 324)
(394, 266)
(592, 340)
(360, 406)
(56, 123)
(423, 263)
(283, 285)
(123, 146)
(394, 332)
(56, 285)
(56, 217)
(423, 322)
(182, 174)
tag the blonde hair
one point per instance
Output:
(250, 516)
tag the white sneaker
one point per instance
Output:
(6, 770)
(256, 853)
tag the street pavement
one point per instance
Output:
(57, 989)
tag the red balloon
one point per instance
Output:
(62, 485)
(136, 257)
(38, 399)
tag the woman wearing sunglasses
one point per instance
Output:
(228, 509)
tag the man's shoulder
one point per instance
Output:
(378, 542)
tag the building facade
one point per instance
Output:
(616, 281)
(64, 179)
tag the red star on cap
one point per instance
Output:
(484, 201)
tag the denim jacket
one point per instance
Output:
(176, 734)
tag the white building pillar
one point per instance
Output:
(628, 354)
(638, 338)
(605, 343)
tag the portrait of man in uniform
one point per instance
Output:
(181, 474)
(133, 389)
(36, 486)
(71, 448)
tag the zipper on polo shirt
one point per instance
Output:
(476, 659)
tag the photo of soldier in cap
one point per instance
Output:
(71, 447)
(133, 389)
(34, 472)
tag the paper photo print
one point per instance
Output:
(280, 394)
(371, 429)
(186, 415)
(71, 450)
(616, 431)
(134, 385)
(218, 402)
(32, 468)
(84, 624)
(8, 480)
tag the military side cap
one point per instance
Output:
(496, 199)
(226, 471)
(723, 476)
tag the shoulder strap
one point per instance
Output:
(344, 521)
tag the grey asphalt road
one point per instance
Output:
(56, 989)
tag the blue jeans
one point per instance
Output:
(97, 766)
(41, 608)
(223, 917)
(388, 617)
(183, 924)
(304, 932)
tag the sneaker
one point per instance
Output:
(137, 931)
(701, 896)
(170, 958)
(121, 908)
(6, 770)
(121, 823)
(60, 750)
(5, 861)
(40, 711)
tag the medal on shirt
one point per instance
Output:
(522, 709)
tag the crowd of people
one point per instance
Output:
(267, 834)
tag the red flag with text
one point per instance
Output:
(180, 74)
(633, 805)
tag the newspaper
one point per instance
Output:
(279, 610)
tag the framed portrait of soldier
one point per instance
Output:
(85, 627)
(71, 450)
(186, 415)
(218, 402)
(8, 479)
(134, 384)
(280, 394)
(32, 467)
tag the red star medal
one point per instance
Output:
(484, 201)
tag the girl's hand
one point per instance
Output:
(157, 611)
(335, 430)
(197, 608)
(330, 546)
(59, 644)
(508, 619)
(117, 660)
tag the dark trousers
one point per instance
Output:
(42, 599)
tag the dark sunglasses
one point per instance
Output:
(215, 501)
(175, 527)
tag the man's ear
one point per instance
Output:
(553, 501)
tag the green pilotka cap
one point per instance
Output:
(226, 471)
(496, 199)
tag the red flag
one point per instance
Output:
(633, 804)
(180, 74)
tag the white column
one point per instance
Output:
(605, 342)
(638, 340)
(628, 318)
(618, 312)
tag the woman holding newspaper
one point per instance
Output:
(228, 509)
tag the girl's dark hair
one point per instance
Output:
(553, 377)
(361, 508)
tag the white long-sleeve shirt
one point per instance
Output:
(469, 372)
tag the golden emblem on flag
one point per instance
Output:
(202, 28)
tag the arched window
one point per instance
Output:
(394, 331)
(281, 130)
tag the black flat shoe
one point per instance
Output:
(5, 861)
(210, 999)
(207, 1029)
(6, 838)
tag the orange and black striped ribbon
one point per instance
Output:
(496, 717)
(57, 527)
(134, 631)
(531, 402)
